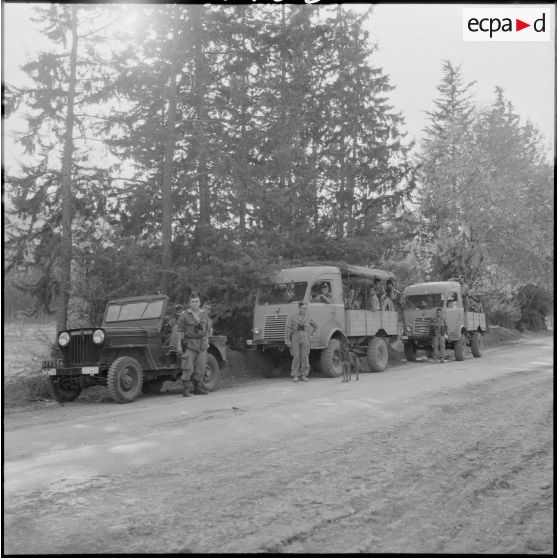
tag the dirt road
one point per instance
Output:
(421, 458)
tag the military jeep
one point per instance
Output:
(134, 350)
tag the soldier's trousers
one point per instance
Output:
(300, 349)
(193, 365)
(439, 346)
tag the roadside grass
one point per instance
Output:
(27, 344)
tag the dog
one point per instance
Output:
(350, 364)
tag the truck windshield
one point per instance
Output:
(134, 311)
(281, 293)
(424, 301)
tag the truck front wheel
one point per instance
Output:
(331, 363)
(125, 379)
(459, 348)
(62, 391)
(212, 377)
(377, 354)
(410, 352)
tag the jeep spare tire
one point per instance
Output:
(125, 379)
(212, 377)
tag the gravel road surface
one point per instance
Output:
(422, 458)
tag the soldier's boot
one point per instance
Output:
(198, 388)
(186, 389)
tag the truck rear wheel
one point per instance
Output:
(459, 348)
(125, 379)
(377, 354)
(62, 391)
(331, 363)
(477, 344)
(410, 352)
(212, 377)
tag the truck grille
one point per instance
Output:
(274, 329)
(422, 326)
(81, 350)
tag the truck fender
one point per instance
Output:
(328, 331)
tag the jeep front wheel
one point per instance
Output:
(377, 354)
(62, 391)
(331, 363)
(212, 376)
(125, 379)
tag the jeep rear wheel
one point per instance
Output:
(125, 379)
(153, 386)
(410, 352)
(212, 377)
(331, 363)
(377, 354)
(459, 348)
(477, 344)
(62, 391)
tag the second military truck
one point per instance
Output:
(346, 316)
(465, 327)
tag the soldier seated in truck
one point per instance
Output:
(323, 295)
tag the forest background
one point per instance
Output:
(206, 146)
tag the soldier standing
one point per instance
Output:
(298, 340)
(195, 326)
(439, 330)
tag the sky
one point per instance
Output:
(412, 40)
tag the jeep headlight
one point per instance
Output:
(256, 331)
(98, 336)
(63, 339)
(408, 328)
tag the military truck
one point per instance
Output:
(465, 327)
(135, 349)
(368, 332)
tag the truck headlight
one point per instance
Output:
(408, 328)
(256, 331)
(98, 336)
(63, 339)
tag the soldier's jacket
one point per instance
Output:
(195, 333)
(438, 326)
(297, 323)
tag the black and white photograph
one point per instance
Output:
(279, 277)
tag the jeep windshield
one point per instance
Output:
(134, 311)
(282, 293)
(424, 301)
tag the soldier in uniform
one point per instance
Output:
(298, 340)
(439, 331)
(195, 326)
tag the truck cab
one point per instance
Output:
(465, 327)
(366, 331)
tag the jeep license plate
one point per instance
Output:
(49, 371)
(90, 370)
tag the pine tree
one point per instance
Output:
(58, 192)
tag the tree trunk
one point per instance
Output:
(66, 186)
(170, 143)
(200, 85)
